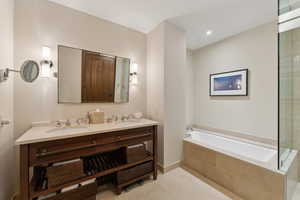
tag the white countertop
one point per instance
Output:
(49, 133)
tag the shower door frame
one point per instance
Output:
(286, 22)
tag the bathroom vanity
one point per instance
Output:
(100, 151)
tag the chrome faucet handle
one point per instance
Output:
(115, 118)
(189, 128)
(58, 124)
(68, 123)
(131, 116)
(78, 121)
(109, 119)
(124, 117)
(4, 123)
(83, 121)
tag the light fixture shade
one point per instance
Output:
(46, 51)
(45, 70)
(46, 63)
(134, 80)
(134, 68)
(134, 73)
(209, 32)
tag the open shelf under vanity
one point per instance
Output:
(39, 192)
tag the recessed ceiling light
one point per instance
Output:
(209, 32)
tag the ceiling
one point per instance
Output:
(224, 17)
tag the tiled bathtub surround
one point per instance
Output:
(247, 180)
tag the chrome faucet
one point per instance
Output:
(189, 128)
(124, 117)
(60, 123)
(68, 123)
(115, 118)
(82, 121)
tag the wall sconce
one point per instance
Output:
(134, 74)
(46, 63)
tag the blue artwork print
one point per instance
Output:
(228, 83)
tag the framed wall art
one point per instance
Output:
(233, 83)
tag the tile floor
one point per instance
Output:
(177, 184)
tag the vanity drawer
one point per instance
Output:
(129, 174)
(123, 138)
(135, 133)
(61, 174)
(59, 150)
(107, 138)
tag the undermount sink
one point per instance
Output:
(67, 130)
(130, 121)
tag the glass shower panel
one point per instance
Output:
(286, 95)
(289, 88)
(288, 5)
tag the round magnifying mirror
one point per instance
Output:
(30, 71)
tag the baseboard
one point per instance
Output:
(165, 169)
(160, 167)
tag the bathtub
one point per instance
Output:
(255, 154)
(243, 167)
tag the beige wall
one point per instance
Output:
(175, 91)
(7, 156)
(256, 114)
(166, 89)
(190, 89)
(155, 83)
(38, 23)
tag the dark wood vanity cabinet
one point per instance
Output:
(98, 155)
(98, 77)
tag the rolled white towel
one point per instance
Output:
(88, 182)
(76, 186)
(69, 188)
(66, 162)
(46, 196)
